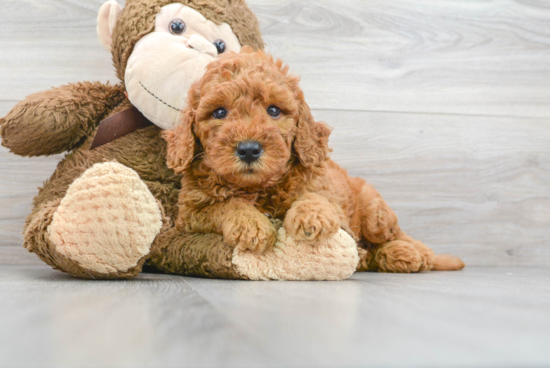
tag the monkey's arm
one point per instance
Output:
(58, 120)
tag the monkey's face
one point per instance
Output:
(165, 62)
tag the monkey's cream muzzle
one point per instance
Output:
(164, 65)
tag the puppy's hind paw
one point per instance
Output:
(399, 257)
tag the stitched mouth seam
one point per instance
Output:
(152, 94)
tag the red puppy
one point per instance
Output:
(250, 149)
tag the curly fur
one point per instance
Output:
(294, 180)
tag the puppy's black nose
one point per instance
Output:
(249, 151)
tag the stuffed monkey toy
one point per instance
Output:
(110, 206)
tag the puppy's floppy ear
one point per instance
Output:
(181, 144)
(181, 140)
(311, 141)
(247, 50)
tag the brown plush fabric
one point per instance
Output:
(138, 19)
(57, 120)
(201, 255)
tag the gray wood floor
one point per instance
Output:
(477, 317)
(443, 105)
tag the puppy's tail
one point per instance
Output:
(445, 262)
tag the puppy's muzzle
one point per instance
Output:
(249, 151)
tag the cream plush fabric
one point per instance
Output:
(108, 219)
(106, 22)
(158, 87)
(333, 259)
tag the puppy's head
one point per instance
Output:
(248, 122)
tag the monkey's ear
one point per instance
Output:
(311, 140)
(106, 22)
(181, 144)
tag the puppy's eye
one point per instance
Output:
(220, 46)
(220, 113)
(177, 27)
(273, 111)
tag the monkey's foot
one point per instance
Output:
(335, 258)
(107, 220)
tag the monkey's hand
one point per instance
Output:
(58, 120)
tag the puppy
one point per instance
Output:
(249, 150)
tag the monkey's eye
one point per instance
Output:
(220, 113)
(177, 26)
(273, 111)
(220, 46)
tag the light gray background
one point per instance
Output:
(443, 105)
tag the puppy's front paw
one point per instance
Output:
(250, 231)
(310, 222)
